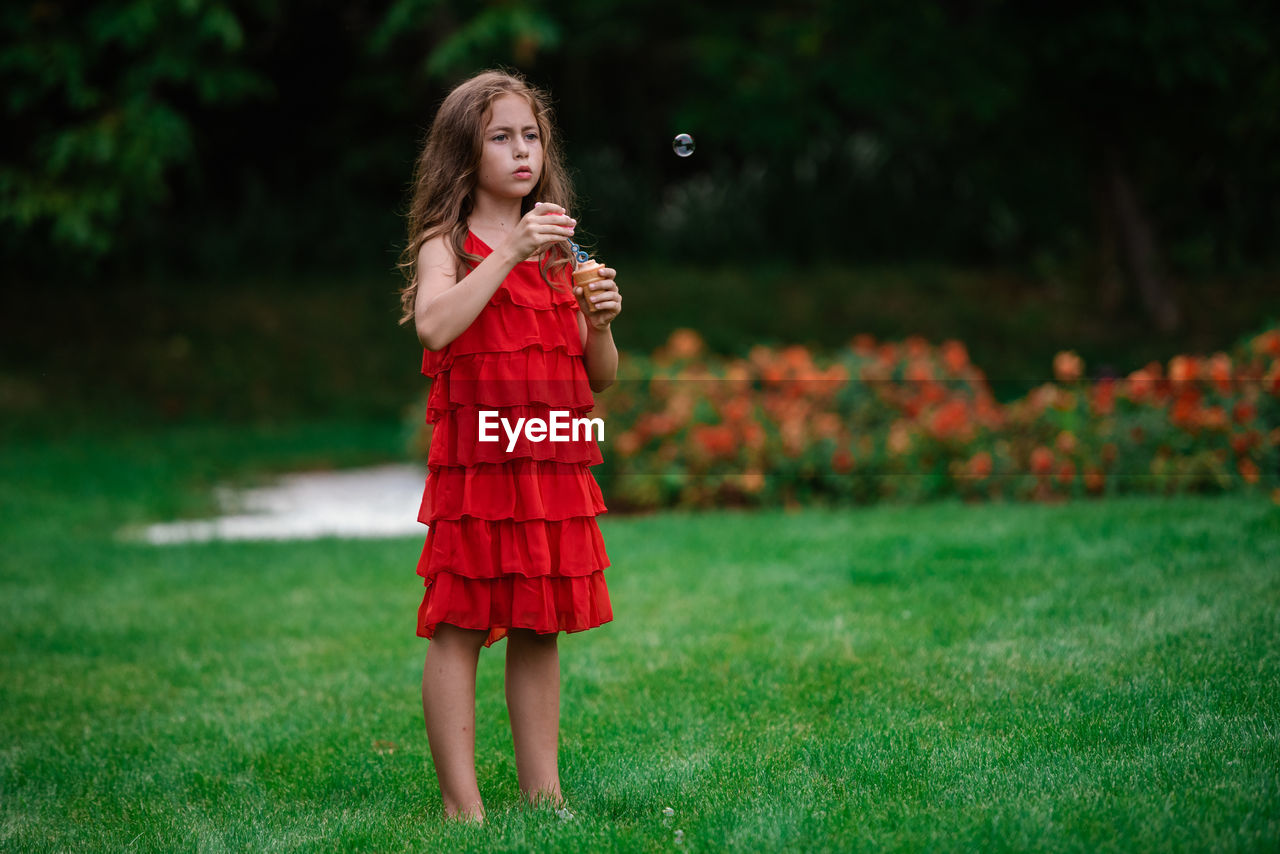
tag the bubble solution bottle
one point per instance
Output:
(587, 272)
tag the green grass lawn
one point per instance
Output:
(1078, 677)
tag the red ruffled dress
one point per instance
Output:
(512, 540)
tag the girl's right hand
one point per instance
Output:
(537, 230)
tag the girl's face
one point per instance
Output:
(511, 155)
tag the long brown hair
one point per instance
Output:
(444, 176)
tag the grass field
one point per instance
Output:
(1078, 677)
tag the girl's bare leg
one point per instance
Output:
(449, 707)
(533, 700)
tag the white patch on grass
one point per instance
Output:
(380, 501)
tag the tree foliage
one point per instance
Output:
(1135, 137)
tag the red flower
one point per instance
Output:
(1185, 408)
(1243, 412)
(737, 409)
(1241, 443)
(950, 419)
(954, 356)
(1041, 460)
(980, 464)
(1219, 370)
(1066, 472)
(1248, 470)
(1093, 479)
(716, 439)
(1104, 394)
(842, 460)
(1183, 369)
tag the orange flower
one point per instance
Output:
(1066, 472)
(716, 439)
(950, 419)
(1066, 442)
(627, 443)
(1144, 383)
(737, 409)
(1268, 343)
(751, 481)
(1243, 412)
(738, 372)
(1067, 366)
(917, 346)
(1183, 369)
(863, 344)
(918, 371)
(954, 356)
(826, 425)
(760, 355)
(684, 343)
(1220, 372)
(1185, 409)
(793, 436)
(1093, 479)
(899, 439)
(1248, 470)
(796, 357)
(1213, 417)
(1041, 460)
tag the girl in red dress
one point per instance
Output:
(512, 548)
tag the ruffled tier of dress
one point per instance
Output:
(553, 377)
(515, 319)
(512, 538)
(522, 490)
(545, 604)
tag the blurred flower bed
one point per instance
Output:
(911, 421)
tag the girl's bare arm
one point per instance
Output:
(445, 307)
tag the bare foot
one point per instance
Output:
(467, 816)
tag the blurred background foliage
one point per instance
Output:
(202, 201)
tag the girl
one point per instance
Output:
(512, 548)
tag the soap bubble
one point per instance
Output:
(682, 144)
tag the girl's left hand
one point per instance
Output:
(606, 298)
